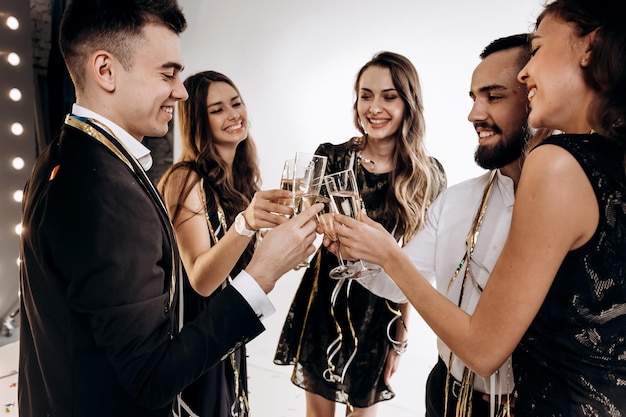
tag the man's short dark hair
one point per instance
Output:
(507, 42)
(111, 25)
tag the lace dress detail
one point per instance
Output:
(572, 360)
(310, 327)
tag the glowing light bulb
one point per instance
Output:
(18, 195)
(18, 229)
(18, 163)
(13, 23)
(17, 129)
(15, 94)
(14, 59)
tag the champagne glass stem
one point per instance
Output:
(341, 261)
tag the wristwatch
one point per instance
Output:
(241, 226)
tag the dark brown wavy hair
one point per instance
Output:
(235, 187)
(606, 72)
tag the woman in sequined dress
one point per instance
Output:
(556, 298)
(397, 181)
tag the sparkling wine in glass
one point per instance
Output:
(303, 202)
(325, 218)
(309, 170)
(286, 181)
(345, 199)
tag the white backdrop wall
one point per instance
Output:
(295, 62)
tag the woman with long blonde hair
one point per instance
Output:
(397, 180)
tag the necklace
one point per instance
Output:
(465, 391)
(364, 159)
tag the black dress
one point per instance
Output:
(312, 323)
(572, 360)
(213, 394)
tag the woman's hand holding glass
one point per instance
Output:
(345, 200)
(265, 211)
(284, 198)
(357, 235)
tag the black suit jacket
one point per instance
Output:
(98, 332)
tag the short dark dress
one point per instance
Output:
(213, 394)
(572, 360)
(310, 327)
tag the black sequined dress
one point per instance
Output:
(572, 360)
(310, 326)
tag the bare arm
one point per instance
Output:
(401, 335)
(207, 265)
(555, 211)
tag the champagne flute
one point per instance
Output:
(309, 170)
(345, 199)
(286, 182)
(325, 218)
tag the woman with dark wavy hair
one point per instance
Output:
(556, 298)
(214, 186)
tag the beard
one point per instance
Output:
(506, 151)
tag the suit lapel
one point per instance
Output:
(109, 140)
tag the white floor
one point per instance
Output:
(8, 377)
(271, 392)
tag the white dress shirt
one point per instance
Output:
(243, 282)
(439, 247)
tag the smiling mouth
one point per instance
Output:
(486, 133)
(378, 122)
(234, 128)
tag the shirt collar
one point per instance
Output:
(507, 188)
(136, 148)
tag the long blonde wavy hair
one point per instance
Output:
(417, 178)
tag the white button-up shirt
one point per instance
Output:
(437, 251)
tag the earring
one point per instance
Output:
(583, 62)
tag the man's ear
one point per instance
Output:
(103, 70)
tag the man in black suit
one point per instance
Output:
(99, 274)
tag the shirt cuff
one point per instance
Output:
(254, 295)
